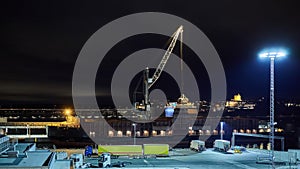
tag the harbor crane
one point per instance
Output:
(150, 81)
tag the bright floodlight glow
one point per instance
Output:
(67, 112)
(272, 54)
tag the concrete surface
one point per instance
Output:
(185, 158)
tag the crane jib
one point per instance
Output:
(166, 56)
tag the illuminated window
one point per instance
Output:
(92, 133)
(120, 134)
(200, 132)
(191, 132)
(162, 133)
(138, 133)
(128, 133)
(279, 130)
(146, 133)
(110, 133)
(215, 132)
(154, 133)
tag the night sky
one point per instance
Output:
(40, 42)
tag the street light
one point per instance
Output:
(221, 132)
(272, 54)
(134, 133)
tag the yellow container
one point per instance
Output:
(156, 149)
(120, 150)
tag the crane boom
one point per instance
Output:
(148, 82)
(165, 58)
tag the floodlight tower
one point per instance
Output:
(272, 55)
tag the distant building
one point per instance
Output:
(238, 103)
(237, 98)
(184, 103)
